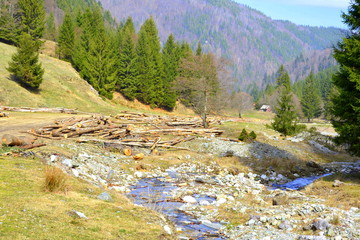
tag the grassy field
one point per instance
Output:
(28, 212)
(62, 87)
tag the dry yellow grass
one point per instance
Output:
(27, 212)
(55, 180)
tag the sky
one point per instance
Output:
(305, 12)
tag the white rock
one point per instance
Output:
(263, 219)
(264, 177)
(189, 199)
(67, 162)
(138, 174)
(53, 158)
(221, 201)
(75, 172)
(167, 229)
(266, 238)
(204, 203)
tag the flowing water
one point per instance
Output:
(299, 183)
(155, 193)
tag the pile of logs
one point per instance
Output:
(138, 129)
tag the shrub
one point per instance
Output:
(55, 180)
(252, 135)
(243, 135)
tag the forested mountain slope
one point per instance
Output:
(255, 43)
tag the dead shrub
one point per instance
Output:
(55, 180)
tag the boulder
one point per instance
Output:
(105, 197)
(76, 214)
(189, 199)
(321, 225)
(337, 183)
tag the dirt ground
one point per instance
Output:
(19, 122)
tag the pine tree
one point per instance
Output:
(50, 32)
(96, 59)
(171, 58)
(149, 66)
(346, 105)
(32, 18)
(66, 41)
(126, 82)
(285, 120)
(283, 79)
(185, 50)
(198, 50)
(8, 22)
(310, 101)
(24, 65)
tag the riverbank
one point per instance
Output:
(218, 188)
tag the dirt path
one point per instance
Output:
(19, 121)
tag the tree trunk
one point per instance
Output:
(205, 110)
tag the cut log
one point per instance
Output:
(31, 146)
(2, 114)
(11, 140)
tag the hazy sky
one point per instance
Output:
(304, 12)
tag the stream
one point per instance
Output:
(155, 193)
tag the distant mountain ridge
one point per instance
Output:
(255, 43)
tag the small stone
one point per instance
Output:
(138, 174)
(167, 229)
(67, 162)
(53, 158)
(77, 214)
(250, 222)
(189, 199)
(204, 203)
(338, 237)
(263, 219)
(337, 183)
(321, 225)
(221, 201)
(105, 197)
(75, 172)
(285, 225)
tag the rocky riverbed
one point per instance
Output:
(205, 201)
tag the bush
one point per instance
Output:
(245, 137)
(55, 180)
(252, 135)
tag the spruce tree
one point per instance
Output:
(346, 105)
(126, 82)
(285, 120)
(66, 42)
(25, 64)
(171, 57)
(32, 18)
(9, 22)
(310, 101)
(96, 59)
(149, 66)
(198, 50)
(50, 31)
(185, 50)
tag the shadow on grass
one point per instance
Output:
(22, 84)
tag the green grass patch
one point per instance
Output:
(29, 212)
